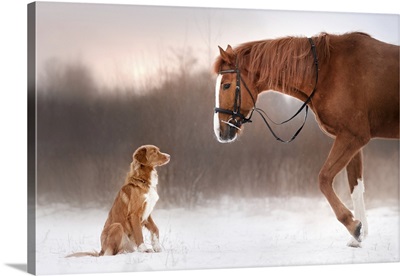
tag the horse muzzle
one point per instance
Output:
(226, 131)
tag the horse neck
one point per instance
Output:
(284, 65)
(295, 89)
(301, 92)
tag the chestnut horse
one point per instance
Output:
(349, 81)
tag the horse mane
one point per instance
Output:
(278, 62)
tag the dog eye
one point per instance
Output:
(226, 86)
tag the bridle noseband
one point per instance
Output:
(235, 113)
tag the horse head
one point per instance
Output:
(234, 100)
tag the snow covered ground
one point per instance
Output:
(231, 233)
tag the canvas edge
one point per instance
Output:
(31, 81)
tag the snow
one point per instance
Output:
(225, 234)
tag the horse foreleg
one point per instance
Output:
(343, 150)
(354, 175)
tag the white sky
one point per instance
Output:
(125, 44)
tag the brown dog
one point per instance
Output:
(132, 207)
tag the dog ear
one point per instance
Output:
(140, 156)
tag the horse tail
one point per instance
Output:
(83, 254)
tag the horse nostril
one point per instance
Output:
(232, 131)
(228, 133)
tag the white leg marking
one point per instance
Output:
(359, 206)
(143, 248)
(359, 211)
(155, 243)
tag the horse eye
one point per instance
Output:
(226, 86)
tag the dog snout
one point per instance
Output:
(163, 158)
(167, 157)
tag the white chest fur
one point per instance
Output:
(151, 197)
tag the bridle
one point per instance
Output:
(235, 113)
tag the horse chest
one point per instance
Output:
(324, 123)
(326, 129)
(151, 197)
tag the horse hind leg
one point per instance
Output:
(356, 183)
(344, 149)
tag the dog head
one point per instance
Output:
(150, 156)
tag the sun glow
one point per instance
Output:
(124, 73)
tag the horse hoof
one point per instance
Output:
(354, 243)
(358, 231)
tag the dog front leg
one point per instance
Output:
(152, 227)
(138, 234)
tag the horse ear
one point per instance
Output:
(229, 49)
(226, 55)
(221, 51)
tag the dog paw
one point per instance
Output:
(143, 248)
(157, 248)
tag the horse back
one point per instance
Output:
(363, 76)
(382, 88)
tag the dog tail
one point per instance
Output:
(83, 254)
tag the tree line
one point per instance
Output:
(86, 136)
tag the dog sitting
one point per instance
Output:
(122, 232)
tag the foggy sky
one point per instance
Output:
(123, 43)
